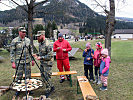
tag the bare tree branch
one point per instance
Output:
(105, 10)
(42, 2)
(6, 4)
(27, 2)
(20, 5)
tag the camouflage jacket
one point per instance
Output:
(45, 52)
(16, 48)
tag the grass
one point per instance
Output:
(1, 28)
(119, 82)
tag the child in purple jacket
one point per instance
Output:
(104, 68)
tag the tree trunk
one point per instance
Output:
(30, 26)
(110, 22)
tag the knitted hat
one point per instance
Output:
(88, 45)
(105, 51)
(99, 44)
(60, 35)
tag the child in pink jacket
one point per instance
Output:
(97, 62)
(104, 68)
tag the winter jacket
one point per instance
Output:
(97, 60)
(60, 54)
(104, 66)
(88, 55)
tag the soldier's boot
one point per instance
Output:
(96, 79)
(99, 80)
(52, 89)
(49, 92)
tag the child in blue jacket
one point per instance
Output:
(88, 61)
(104, 68)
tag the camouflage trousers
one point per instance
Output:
(46, 69)
(21, 71)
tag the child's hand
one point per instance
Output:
(92, 54)
(85, 50)
(88, 58)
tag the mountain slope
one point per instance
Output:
(62, 11)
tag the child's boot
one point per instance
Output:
(96, 79)
(103, 88)
(99, 80)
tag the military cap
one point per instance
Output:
(22, 29)
(40, 33)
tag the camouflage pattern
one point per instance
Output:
(16, 49)
(46, 54)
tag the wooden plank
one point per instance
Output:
(86, 88)
(53, 73)
(3, 89)
(63, 73)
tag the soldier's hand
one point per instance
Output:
(38, 58)
(33, 63)
(34, 55)
(13, 65)
(64, 49)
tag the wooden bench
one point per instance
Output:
(55, 74)
(86, 89)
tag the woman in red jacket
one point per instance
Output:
(61, 47)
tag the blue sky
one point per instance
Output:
(122, 9)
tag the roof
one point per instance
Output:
(65, 31)
(123, 31)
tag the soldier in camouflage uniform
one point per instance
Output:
(19, 44)
(46, 61)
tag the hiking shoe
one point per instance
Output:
(91, 80)
(96, 79)
(62, 80)
(47, 94)
(99, 82)
(68, 77)
(103, 88)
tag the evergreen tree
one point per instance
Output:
(49, 29)
(37, 27)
